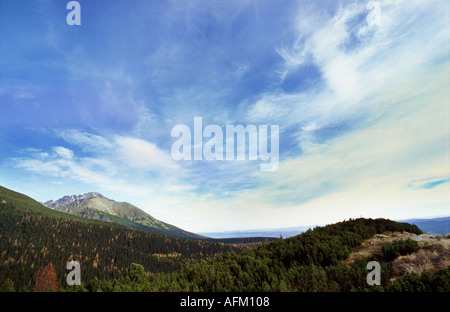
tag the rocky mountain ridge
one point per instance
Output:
(94, 205)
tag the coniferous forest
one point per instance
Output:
(35, 247)
(29, 242)
(310, 262)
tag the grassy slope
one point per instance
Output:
(174, 231)
(25, 202)
(32, 235)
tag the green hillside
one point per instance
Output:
(33, 236)
(310, 262)
(117, 258)
(95, 206)
(24, 202)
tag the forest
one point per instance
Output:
(309, 262)
(30, 241)
(35, 248)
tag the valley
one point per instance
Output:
(115, 255)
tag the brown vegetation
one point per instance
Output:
(374, 246)
(433, 255)
(46, 279)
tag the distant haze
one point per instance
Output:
(360, 98)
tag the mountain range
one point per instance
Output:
(94, 205)
(432, 226)
(273, 233)
(36, 240)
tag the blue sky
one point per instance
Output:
(363, 110)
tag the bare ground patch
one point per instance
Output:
(433, 255)
(373, 246)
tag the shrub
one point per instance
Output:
(398, 248)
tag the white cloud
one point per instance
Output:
(19, 91)
(122, 164)
(132, 152)
(383, 82)
(63, 152)
(34, 165)
(180, 188)
(394, 98)
(312, 126)
(84, 140)
(382, 56)
(142, 154)
(368, 171)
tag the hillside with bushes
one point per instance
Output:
(314, 261)
(36, 243)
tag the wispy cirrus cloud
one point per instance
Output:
(428, 183)
(362, 109)
(84, 140)
(143, 155)
(376, 118)
(97, 160)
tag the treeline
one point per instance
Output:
(310, 262)
(114, 258)
(29, 241)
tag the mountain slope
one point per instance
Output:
(95, 206)
(432, 226)
(314, 261)
(16, 199)
(32, 236)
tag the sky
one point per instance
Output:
(358, 89)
